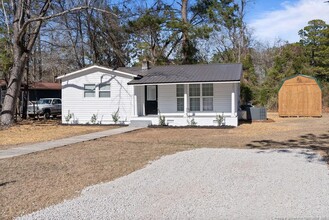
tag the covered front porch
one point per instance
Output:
(183, 104)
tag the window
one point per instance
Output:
(207, 104)
(104, 90)
(89, 90)
(57, 102)
(194, 104)
(201, 97)
(194, 90)
(151, 93)
(44, 101)
(207, 90)
(194, 97)
(180, 97)
(207, 97)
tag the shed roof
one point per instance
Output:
(187, 73)
(302, 75)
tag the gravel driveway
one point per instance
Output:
(209, 184)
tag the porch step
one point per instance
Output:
(140, 123)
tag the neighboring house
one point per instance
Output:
(39, 90)
(36, 91)
(183, 94)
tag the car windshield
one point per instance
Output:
(44, 101)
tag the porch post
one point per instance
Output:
(143, 99)
(233, 102)
(134, 103)
(185, 99)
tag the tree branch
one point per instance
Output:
(33, 38)
(6, 18)
(42, 18)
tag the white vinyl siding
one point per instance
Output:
(140, 93)
(222, 97)
(73, 99)
(167, 98)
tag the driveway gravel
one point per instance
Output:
(209, 184)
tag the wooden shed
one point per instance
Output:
(300, 95)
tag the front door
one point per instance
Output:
(151, 100)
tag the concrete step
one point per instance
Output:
(140, 123)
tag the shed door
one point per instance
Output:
(151, 100)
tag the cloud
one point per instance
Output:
(286, 22)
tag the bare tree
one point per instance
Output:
(28, 18)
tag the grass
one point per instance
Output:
(38, 131)
(29, 183)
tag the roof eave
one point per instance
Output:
(94, 67)
(182, 82)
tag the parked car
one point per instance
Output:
(46, 107)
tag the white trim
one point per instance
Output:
(95, 67)
(185, 83)
(135, 105)
(144, 106)
(233, 104)
(124, 73)
(191, 114)
(186, 88)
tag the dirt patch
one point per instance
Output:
(29, 183)
(37, 131)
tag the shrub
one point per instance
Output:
(115, 116)
(93, 119)
(220, 119)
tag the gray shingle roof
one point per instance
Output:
(186, 73)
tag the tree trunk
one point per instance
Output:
(13, 87)
(185, 46)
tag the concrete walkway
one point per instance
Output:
(31, 148)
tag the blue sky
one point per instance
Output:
(279, 19)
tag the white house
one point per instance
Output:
(183, 94)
